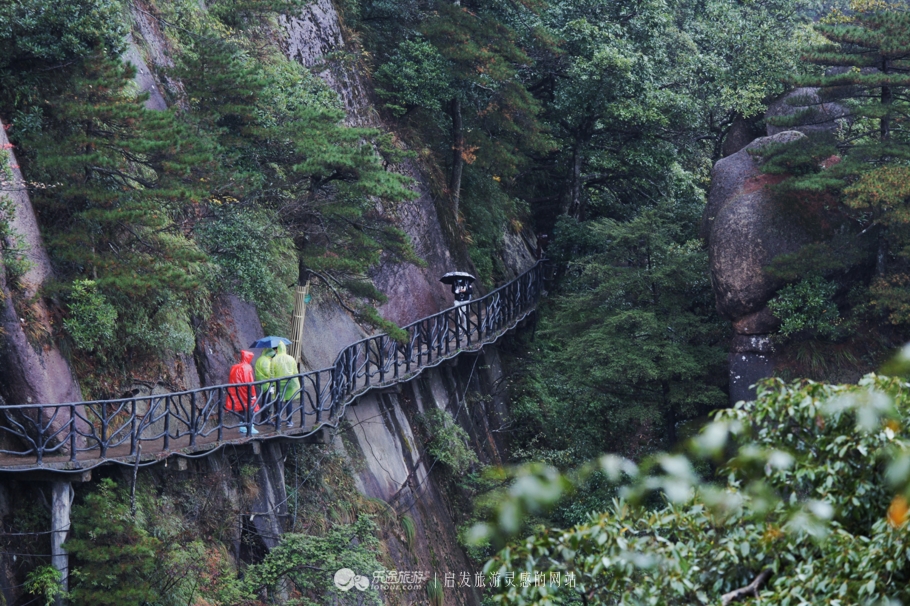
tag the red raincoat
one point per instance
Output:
(238, 397)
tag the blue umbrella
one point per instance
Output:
(269, 342)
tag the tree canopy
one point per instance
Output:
(808, 504)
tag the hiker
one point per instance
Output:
(263, 372)
(462, 288)
(239, 398)
(284, 365)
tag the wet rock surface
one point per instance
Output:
(746, 230)
(234, 325)
(34, 369)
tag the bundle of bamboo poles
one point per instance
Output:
(301, 298)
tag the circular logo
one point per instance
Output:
(346, 578)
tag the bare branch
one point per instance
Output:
(749, 590)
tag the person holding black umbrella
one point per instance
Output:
(463, 288)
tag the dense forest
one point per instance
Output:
(594, 122)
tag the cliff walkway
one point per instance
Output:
(78, 436)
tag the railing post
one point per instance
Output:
(133, 428)
(352, 370)
(167, 424)
(248, 413)
(366, 362)
(73, 426)
(103, 430)
(458, 328)
(193, 418)
(439, 337)
(318, 410)
(419, 345)
(380, 341)
(220, 417)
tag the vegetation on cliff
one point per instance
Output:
(249, 174)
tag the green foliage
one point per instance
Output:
(92, 319)
(251, 175)
(414, 76)
(39, 37)
(14, 260)
(629, 347)
(44, 582)
(489, 212)
(811, 497)
(851, 189)
(410, 531)
(114, 560)
(309, 563)
(290, 173)
(251, 261)
(170, 553)
(629, 92)
(435, 592)
(449, 443)
(807, 306)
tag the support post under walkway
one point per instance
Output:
(61, 505)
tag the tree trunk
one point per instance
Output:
(887, 99)
(881, 255)
(457, 154)
(574, 208)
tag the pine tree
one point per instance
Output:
(115, 561)
(286, 158)
(117, 180)
(859, 178)
(870, 54)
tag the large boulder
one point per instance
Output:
(746, 231)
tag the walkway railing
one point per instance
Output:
(143, 430)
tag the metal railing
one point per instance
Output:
(80, 435)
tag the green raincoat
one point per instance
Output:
(263, 368)
(284, 365)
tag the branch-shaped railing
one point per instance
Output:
(145, 429)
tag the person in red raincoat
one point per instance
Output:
(239, 397)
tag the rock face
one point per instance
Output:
(745, 232)
(232, 327)
(382, 438)
(815, 115)
(34, 370)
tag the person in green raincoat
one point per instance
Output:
(263, 371)
(284, 365)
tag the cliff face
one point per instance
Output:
(382, 438)
(34, 370)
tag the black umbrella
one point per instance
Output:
(450, 277)
(269, 342)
